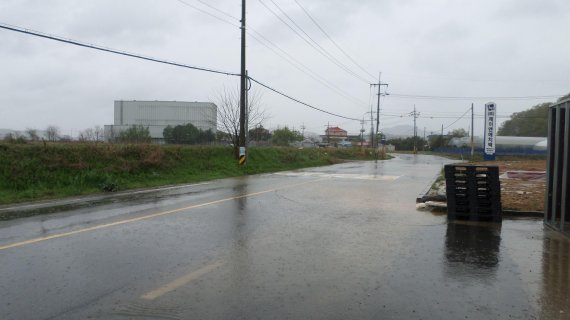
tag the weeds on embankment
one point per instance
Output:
(54, 170)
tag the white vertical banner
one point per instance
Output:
(490, 128)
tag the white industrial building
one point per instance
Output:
(157, 115)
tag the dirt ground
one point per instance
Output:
(521, 195)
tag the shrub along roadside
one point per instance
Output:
(41, 171)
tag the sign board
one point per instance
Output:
(490, 129)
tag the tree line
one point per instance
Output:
(52, 134)
(529, 123)
(190, 134)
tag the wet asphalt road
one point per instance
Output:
(338, 242)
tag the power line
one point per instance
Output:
(299, 101)
(132, 55)
(313, 40)
(318, 48)
(95, 47)
(289, 58)
(442, 117)
(303, 68)
(454, 78)
(454, 122)
(412, 96)
(213, 8)
(211, 14)
(332, 40)
(346, 54)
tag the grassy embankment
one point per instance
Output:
(37, 171)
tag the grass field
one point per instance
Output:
(37, 171)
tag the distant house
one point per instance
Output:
(308, 144)
(336, 132)
(334, 135)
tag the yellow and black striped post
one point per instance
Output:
(242, 156)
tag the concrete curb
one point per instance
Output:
(422, 197)
(27, 209)
(527, 214)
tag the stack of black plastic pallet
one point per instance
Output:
(473, 192)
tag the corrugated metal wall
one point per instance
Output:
(557, 202)
(162, 113)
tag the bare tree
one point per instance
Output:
(89, 134)
(33, 134)
(52, 133)
(14, 137)
(86, 135)
(228, 113)
(98, 133)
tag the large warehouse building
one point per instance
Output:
(157, 115)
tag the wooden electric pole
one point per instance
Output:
(415, 115)
(243, 91)
(472, 133)
(374, 142)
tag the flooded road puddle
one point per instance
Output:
(352, 176)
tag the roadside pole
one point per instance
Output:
(472, 132)
(243, 93)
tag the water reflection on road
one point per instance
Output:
(555, 299)
(472, 250)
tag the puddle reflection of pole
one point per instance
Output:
(555, 278)
(240, 260)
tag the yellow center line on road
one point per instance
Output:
(175, 284)
(146, 217)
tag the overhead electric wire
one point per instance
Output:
(109, 50)
(412, 96)
(132, 55)
(332, 40)
(340, 65)
(454, 78)
(315, 76)
(299, 101)
(313, 40)
(355, 62)
(324, 81)
(211, 14)
(291, 60)
(213, 8)
(454, 122)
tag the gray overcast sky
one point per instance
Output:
(436, 47)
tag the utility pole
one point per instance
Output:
(243, 91)
(362, 132)
(371, 127)
(415, 132)
(246, 113)
(424, 148)
(472, 133)
(303, 130)
(379, 84)
(378, 110)
(415, 115)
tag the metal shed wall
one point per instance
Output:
(163, 113)
(557, 201)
